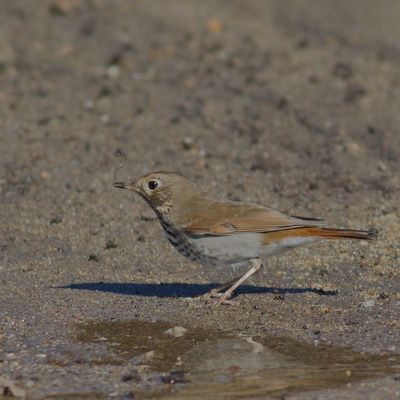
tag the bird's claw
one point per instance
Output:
(212, 294)
(222, 298)
(223, 301)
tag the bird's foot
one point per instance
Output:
(222, 298)
(212, 294)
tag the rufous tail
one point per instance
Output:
(333, 233)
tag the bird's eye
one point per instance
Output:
(152, 185)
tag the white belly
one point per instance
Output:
(240, 247)
(229, 249)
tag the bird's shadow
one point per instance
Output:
(184, 289)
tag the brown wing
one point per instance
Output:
(225, 218)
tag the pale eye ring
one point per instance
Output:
(152, 185)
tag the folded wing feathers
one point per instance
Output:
(251, 220)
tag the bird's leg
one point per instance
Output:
(216, 291)
(223, 297)
(213, 293)
(256, 265)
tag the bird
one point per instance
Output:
(223, 233)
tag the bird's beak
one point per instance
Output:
(125, 185)
(120, 185)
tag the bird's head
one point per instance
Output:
(161, 190)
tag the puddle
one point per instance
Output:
(76, 396)
(131, 340)
(229, 365)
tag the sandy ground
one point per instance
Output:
(291, 104)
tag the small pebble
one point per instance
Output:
(88, 105)
(214, 25)
(113, 71)
(111, 244)
(368, 303)
(105, 119)
(93, 257)
(56, 220)
(187, 143)
(257, 347)
(149, 355)
(176, 331)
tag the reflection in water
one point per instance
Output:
(227, 365)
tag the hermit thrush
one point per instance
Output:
(226, 233)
